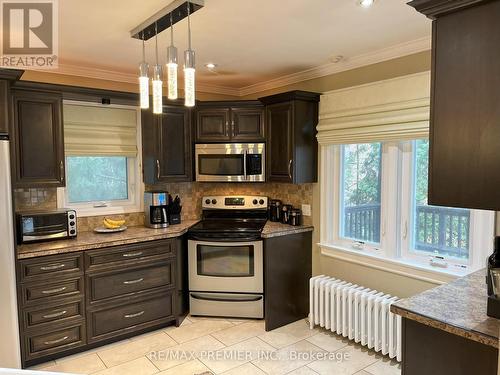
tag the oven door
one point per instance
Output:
(41, 227)
(235, 267)
(230, 162)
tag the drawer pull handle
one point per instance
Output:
(56, 341)
(134, 281)
(52, 291)
(52, 267)
(128, 316)
(128, 255)
(55, 315)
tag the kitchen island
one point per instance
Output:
(446, 330)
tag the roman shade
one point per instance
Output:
(395, 109)
(99, 130)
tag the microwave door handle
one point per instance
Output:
(245, 164)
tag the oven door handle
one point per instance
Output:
(202, 238)
(242, 298)
(245, 154)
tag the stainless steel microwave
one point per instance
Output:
(38, 226)
(231, 162)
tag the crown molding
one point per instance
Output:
(124, 77)
(389, 53)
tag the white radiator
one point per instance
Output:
(356, 312)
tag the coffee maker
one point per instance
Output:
(155, 209)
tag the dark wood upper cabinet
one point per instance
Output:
(212, 124)
(241, 121)
(465, 110)
(292, 148)
(247, 124)
(167, 146)
(4, 107)
(37, 139)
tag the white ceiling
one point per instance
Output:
(251, 41)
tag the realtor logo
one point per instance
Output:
(29, 34)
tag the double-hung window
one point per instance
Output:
(102, 162)
(379, 195)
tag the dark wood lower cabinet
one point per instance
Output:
(287, 270)
(427, 350)
(73, 302)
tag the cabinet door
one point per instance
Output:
(4, 107)
(38, 139)
(166, 146)
(174, 145)
(279, 119)
(212, 125)
(247, 124)
(464, 133)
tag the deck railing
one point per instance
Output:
(436, 229)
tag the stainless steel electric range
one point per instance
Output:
(225, 252)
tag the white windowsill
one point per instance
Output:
(400, 267)
(103, 211)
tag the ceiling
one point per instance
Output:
(251, 41)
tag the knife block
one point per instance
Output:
(174, 219)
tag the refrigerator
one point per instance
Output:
(10, 356)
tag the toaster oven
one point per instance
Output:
(38, 226)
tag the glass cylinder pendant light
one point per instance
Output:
(157, 81)
(172, 65)
(189, 69)
(144, 78)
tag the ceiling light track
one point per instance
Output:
(162, 20)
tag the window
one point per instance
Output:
(360, 200)
(97, 178)
(378, 192)
(102, 163)
(437, 230)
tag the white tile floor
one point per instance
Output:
(229, 347)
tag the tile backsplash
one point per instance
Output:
(190, 193)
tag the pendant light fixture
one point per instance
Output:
(172, 65)
(157, 81)
(189, 69)
(144, 78)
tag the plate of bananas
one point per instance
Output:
(111, 226)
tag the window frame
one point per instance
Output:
(393, 250)
(135, 201)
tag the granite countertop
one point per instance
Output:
(276, 229)
(458, 307)
(92, 240)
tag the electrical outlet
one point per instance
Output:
(306, 209)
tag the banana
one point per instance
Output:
(111, 225)
(115, 222)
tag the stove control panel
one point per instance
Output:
(233, 202)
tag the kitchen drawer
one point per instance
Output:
(128, 254)
(40, 345)
(119, 320)
(50, 267)
(46, 292)
(122, 282)
(35, 318)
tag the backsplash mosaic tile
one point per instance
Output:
(190, 193)
(35, 199)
